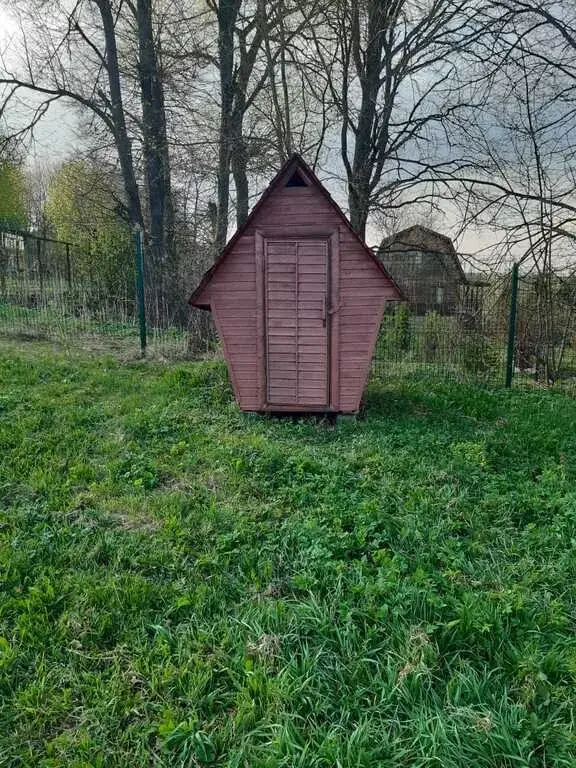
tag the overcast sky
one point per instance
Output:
(55, 135)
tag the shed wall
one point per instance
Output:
(233, 295)
(362, 300)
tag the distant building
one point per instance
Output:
(11, 241)
(425, 266)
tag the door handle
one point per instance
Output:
(324, 310)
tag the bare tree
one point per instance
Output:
(157, 160)
(521, 175)
(294, 104)
(241, 31)
(39, 177)
(77, 58)
(520, 144)
(255, 40)
(392, 70)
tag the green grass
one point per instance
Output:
(185, 585)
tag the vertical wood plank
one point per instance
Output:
(334, 319)
(297, 324)
(280, 258)
(313, 322)
(260, 317)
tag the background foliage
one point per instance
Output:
(80, 209)
(12, 195)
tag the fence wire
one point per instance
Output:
(545, 339)
(53, 291)
(468, 339)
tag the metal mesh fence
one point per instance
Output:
(545, 337)
(463, 339)
(52, 290)
(469, 339)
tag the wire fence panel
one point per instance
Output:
(49, 290)
(545, 339)
(440, 345)
(464, 339)
(54, 291)
(468, 339)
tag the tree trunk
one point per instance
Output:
(227, 13)
(163, 272)
(369, 72)
(359, 202)
(239, 159)
(121, 140)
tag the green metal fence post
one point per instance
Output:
(40, 267)
(512, 326)
(140, 290)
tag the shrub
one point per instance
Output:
(436, 338)
(397, 337)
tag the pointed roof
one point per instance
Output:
(294, 171)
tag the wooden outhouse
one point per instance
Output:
(297, 299)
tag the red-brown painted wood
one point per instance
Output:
(297, 299)
(291, 326)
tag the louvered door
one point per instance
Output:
(297, 322)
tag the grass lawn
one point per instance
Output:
(185, 585)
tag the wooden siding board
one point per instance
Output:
(281, 384)
(260, 319)
(363, 291)
(334, 319)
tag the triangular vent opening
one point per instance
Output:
(296, 180)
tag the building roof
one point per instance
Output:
(426, 240)
(295, 164)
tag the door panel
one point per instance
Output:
(296, 306)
